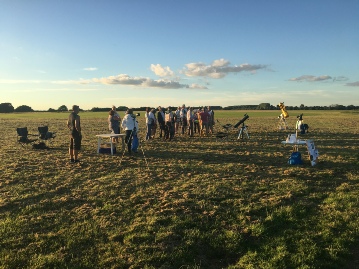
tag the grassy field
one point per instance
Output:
(190, 203)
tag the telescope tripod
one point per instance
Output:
(131, 137)
(282, 124)
(243, 131)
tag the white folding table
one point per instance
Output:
(110, 136)
(312, 151)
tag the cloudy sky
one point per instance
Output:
(165, 52)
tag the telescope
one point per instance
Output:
(284, 110)
(241, 121)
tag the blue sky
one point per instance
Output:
(162, 52)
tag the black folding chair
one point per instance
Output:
(45, 135)
(225, 134)
(23, 137)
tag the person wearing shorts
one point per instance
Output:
(73, 124)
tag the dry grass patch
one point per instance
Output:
(190, 203)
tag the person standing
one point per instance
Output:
(183, 116)
(154, 123)
(196, 121)
(211, 119)
(204, 116)
(190, 120)
(112, 126)
(74, 125)
(177, 119)
(150, 120)
(130, 125)
(170, 129)
(115, 122)
(161, 120)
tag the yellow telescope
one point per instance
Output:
(284, 110)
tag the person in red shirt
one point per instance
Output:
(205, 117)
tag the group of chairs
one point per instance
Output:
(24, 138)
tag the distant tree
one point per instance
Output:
(350, 107)
(6, 108)
(302, 106)
(51, 110)
(216, 107)
(62, 108)
(24, 108)
(122, 108)
(100, 109)
(337, 107)
(264, 106)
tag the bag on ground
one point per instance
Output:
(135, 143)
(295, 158)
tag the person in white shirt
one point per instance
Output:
(183, 115)
(150, 121)
(130, 125)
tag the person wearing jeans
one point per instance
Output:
(130, 125)
(150, 120)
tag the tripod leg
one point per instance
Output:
(247, 133)
(240, 135)
(143, 153)
(123, 154)
(126, 146)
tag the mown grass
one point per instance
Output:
(203, 203)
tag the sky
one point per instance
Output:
(163, 52)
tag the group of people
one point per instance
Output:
(200, 120)
(181, 121)
(128, 123)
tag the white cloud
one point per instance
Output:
(310, 78)
(90, 69)
(340, 78)
(161, 71)
(197, 86)
(220, 63)
(354, 84)
(164, 84)
(218, 69)
(124, 79)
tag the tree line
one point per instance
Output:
(8, 108)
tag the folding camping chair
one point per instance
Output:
(45, 135)
(225, 134)
(23, 137)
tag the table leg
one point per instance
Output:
(111, 145)
(98, 144)
(123, 142)
(295, 148)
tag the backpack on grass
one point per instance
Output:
(295, 158)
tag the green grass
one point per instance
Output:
(204, 203)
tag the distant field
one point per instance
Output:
(231, 114)
(190, 203)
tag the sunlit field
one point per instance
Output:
(189, 203)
